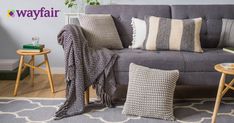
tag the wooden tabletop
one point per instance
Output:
(221, 69)
(45, 51)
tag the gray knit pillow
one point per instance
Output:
(100, 31)
(150, 92)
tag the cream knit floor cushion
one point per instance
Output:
(150, 92)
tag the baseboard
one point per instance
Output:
(54, 70)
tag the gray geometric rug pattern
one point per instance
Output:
(41, 110)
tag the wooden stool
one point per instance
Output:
(221, 90)
(32, 65)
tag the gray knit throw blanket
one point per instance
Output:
(84, 66)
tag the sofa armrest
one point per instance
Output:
(74, 20)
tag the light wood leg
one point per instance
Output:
(49, 73)
(219, 97)
(226, 89)
(18, 75)
(87, 96)
(32, 70)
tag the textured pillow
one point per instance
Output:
(173, 34)
(100, 31)
(139, 33)
(150, 92)
(227, 34)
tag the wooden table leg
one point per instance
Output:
(226, 89)
(49, 73)
(19, 74)
(32, 70)
(219, 97)
(87, 96)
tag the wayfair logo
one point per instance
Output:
(11, 13)
(34, 14)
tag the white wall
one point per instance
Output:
(17, 31)
(170, 2)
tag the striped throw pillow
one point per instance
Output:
(227, 34)
(173, 34)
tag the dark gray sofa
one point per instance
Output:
(197, 75)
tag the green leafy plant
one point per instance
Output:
(70, 3)
(92, 2)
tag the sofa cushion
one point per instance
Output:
(166, 60)
(122, 15)
(212, 19)
(186, 78)
(196, 62)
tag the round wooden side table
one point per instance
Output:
(221, 90)
(31, 64)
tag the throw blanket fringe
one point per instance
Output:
(84, 66)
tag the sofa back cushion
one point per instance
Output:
(122, 15)
(212, 20)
